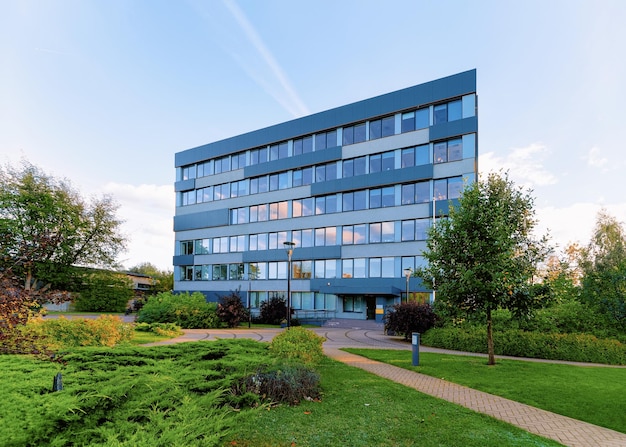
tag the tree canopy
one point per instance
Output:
(47, 229)
(484, 256)
(603, 263)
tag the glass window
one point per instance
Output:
(388, 196)
(388, 267)
(320, 238)
(389, 126)
(375, 265)
(297, 178)
(408, 194)
(440, 152)
(307, 144)
(331, 269)
(375, 233)
(320, 141)
(455, 110)
(297, 146)
(408, 122)
(455, 187)
(307, 238)
(388, 161)
(320, 205)
(359, 165)
(360, 200)
(441, 189)
(331, 236)
(376, 163)
(408, 230)
(320, 268)
(202, 246)
(274, 182)
(359, 133)
(257, 270)
(348, 201)
(455, 149)
(331, 171)
(347, 235)
(421, 229)
(320, 173)
(347, 168)
(331, 204)
(375, 198)
(440, 114)
(359, 234)
(376, 129)
(235, 271)
(359, 268)
(186, 248)
(422, 118)
(388, 232)
(422, 155)
(252, 244)
(262, 241)
(220, 272)
(408, 157)
(347, 268)
(422, 192)
(307, 269)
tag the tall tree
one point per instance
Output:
(484, 256)
(603, 263)
(47, 229)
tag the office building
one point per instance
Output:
(355, 188)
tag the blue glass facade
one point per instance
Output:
(353, 187)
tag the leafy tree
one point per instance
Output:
(483, 257)
(164, 279)
(603, 263)
(406, 318)
(46, 230)
(231, 310)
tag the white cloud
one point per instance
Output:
(148, 211)
(525, 165)
(595, 159)
(574, 223)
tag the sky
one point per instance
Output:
(104, 93)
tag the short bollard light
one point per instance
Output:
(57, 383)
(416, 348)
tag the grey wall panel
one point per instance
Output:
(438, 90)
(201, 220)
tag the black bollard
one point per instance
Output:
(57, 384)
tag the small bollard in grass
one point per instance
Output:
(57, 384)
(415, 342)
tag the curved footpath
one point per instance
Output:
(567, 431)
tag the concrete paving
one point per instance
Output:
(343, 334)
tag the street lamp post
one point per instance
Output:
(289, 247)
(407, 273)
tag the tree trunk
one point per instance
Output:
(492, 356)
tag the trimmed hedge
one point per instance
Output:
(571, 347)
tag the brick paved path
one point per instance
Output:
(567, 431)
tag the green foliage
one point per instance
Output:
(104, 291)
(188, 311)
(518, 343)
(163, 329)
(63, 333)
(273, 311)
(406, 318)
(484, 256)
(139, 396)
(299, 344)
(231, 310)
(288, 384)
(603, 263)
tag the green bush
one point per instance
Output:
(60, 333)
(104, 292)
(406, 318)
(166, 329)
(551, 346)
(188, 311)
(300, 344)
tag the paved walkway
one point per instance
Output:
(567, 431)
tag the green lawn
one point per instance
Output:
(591, 394)
(180, 395)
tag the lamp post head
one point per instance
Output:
(408, 272)
(289, 247)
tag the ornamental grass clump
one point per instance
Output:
(299, 344)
